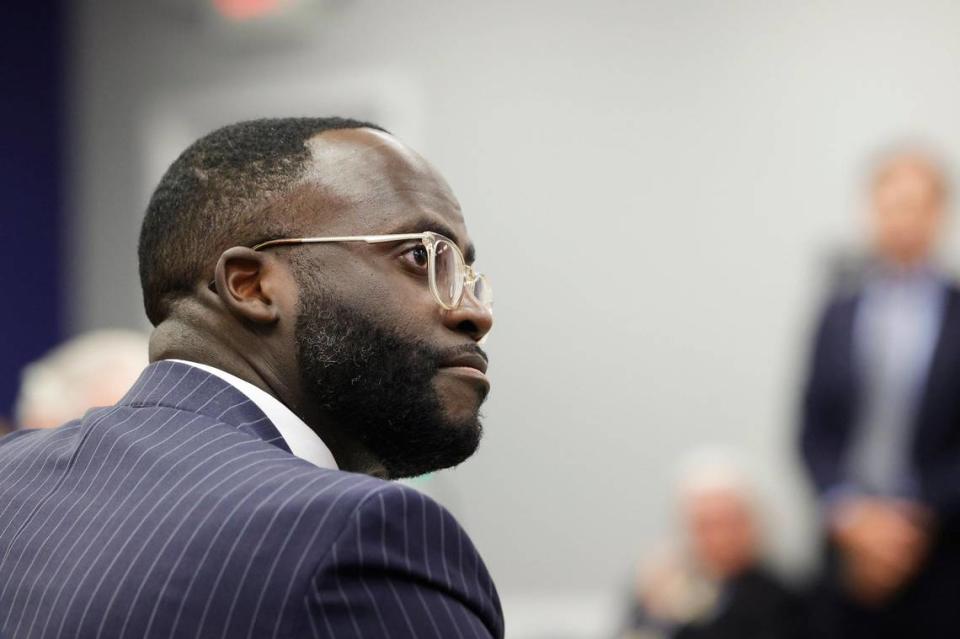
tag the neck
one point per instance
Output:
(904, 266)
(181, 338)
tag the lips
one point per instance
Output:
(470, 359)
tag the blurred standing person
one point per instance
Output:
(717, 584)
(880, 432)
(91, 370)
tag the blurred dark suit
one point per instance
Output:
(755, 605)
(834, 407)
(752, 605)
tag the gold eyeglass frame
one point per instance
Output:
(468, 276)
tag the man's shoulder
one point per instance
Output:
(320, 497)
(837, 311)
(843, 300)
(336, 505)
(405, 562)
(161, 452)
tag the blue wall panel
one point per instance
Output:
(31, 113)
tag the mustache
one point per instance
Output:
(446, 354)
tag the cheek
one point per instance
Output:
(394, 299)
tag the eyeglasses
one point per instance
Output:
(447, 272)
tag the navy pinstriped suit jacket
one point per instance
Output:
(180, 512)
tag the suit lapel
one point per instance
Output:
(942, 371)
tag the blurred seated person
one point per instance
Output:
(880, 428)
(92, 369)
(716, 585)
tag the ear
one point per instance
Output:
(246, 282)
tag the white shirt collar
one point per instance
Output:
(303, 442)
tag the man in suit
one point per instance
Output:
(317, 328)
(880, 430)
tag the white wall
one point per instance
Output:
(653, 186)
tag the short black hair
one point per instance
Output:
(213, 197)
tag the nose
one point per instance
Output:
(470, 318)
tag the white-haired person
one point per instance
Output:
(712, 581)
(90, 370)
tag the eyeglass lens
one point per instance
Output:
(449, 273)
(450, 276)
(483, 292)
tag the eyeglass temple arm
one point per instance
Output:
(370, 239)
(470, 273)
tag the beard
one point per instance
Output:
(378, 386)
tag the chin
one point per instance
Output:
(460, 399)
(453, 445)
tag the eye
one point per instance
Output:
(416, 257)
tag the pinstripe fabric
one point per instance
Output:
(180, 512)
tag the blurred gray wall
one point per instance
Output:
(654, 188)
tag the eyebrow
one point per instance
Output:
(422, 224)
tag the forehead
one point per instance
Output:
(717, 501)
(363, 181)
(909, 171)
